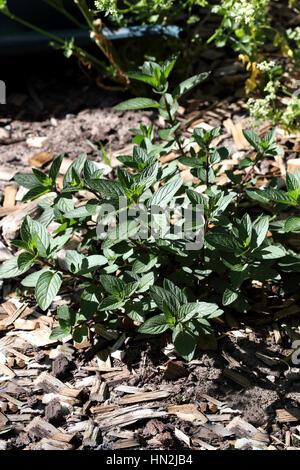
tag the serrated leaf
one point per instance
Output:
(169, 64)
(35, 192)
(109, 188)
(154, 326)
(292, 224)
(272, 252)
(25, 261)
(110, 303)
(47, 288)
(222, 241)
(229, 296)
(11, 267)
(292, 183)
(43, 179)
(175, 290)
(259, 231)
(144, 263)
(137, 103)
(164, 195)
(198, 310)
(73, 260)
(252, 138)
(91, 263)
(31, 279)
(27, 180)
(112, 284)
(185, 342)
(189, 84)
(55, 167)
(197, 198)
(80, 334)
(162, 296)
(77, 167)
(32, 229)
(60, 332)
(142, 77)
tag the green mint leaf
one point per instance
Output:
(55, 167)
(164, 195)
(155, 325)
(137, 103)
(189, 84)
(229, 296)
(185, 342)
(60, 332)
(80, 334)
(47, 288)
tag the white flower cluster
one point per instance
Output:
(108, 6)
(292, 112)
(266, 66)
(259, 108)
(242, 11)
(271, 89)
(294, 34)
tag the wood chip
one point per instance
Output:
(115, 377)
(99, 390)
(13, 400)
(182, 437)
(215, 418)
(40, 428)
(7, 173)
(71, 392)
(175, 370)
(11, 224)
(288, 415)
(36, 142)
(125, 444)
(146, 396)
(5, 254)
(277, 334)
(18, 354)
(127, 417)
(242, 428)
(13, 313)
(266, 359)
(127, 389)
(203, 444)
(292, 164)
(237, 133)
(92, 435)
(237, 377)
(10, 195)
(40, 159)
(187, 413)
(52, 444)
(48, 383)
(28, 325)
(6, 371)
(3, 419)
(212, 400)
(64, 437)
(102, 409)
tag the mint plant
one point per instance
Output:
(165, 271)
